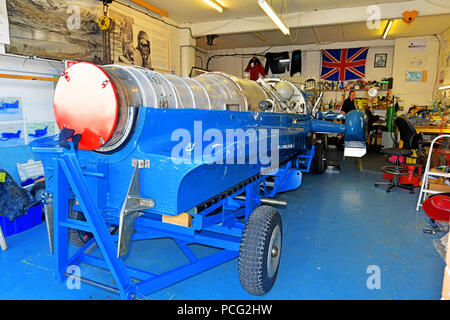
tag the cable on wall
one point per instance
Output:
(161, 20)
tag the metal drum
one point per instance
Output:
(100, 102)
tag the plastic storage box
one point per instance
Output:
(32, 218)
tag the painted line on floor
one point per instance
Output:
(360, 164)
(35, 265)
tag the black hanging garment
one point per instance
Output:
(278, 62)
(296, 62)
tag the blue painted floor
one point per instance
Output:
(335, 227)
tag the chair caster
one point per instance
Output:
(411, 192)
(388, 191)
(375, 185)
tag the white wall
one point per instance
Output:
(414, 93)
(175, 36)
(311, 59)
(36, 96)
(444, 68)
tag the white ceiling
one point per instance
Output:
(330, 33)
(196, 11)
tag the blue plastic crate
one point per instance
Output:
(32, 218)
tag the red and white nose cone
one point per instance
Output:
(85, 100)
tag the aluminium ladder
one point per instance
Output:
(424, 189)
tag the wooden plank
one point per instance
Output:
(2, 240)
(446, 283)
(22, 77)
(150, 7)
(182, 219)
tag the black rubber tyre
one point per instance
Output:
(37, 190)
(262, 236)
(318, 162)
(78, 237)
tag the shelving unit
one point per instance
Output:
(358, 90)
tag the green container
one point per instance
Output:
(390, 119)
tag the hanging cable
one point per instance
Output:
(261, 54)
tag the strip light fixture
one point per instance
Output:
(273, 16)
(444, 87)
(214, 4)
(386, 30)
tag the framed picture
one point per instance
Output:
(380, 60)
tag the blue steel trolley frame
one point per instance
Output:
(217, 221)
(217, 224)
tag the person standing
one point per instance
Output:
(349, 103)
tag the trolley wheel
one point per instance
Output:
(78, 237)
(411, 192)
(260, 250)
(388, 191)
(318, 162)
(376, 184)
(37, 190)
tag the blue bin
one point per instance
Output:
(32, 218)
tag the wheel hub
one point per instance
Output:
(273, 258)
(274, 251)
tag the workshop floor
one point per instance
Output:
(335, 226)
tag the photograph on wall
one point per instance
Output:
(10, 109)
(4, 24)
(70, 32)
(441, 76)
(415, 76)
(160, 48)
(380, 60)
(130, 43)
(37, 130)
(11, 134)
(122, 38)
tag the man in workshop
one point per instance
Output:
(349, 103)
(347, 106)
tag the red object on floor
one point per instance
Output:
(438, 207)
(414, 175)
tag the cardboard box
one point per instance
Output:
(438, 185)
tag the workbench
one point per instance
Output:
(433, 129)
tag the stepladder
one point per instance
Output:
(425, 189)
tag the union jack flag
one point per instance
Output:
(344, 64)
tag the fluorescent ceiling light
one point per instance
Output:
(273, 16)
(444, 87)
(214, 4)
(386, 30)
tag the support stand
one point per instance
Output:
(2, 240)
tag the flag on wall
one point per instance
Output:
(344, 64)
